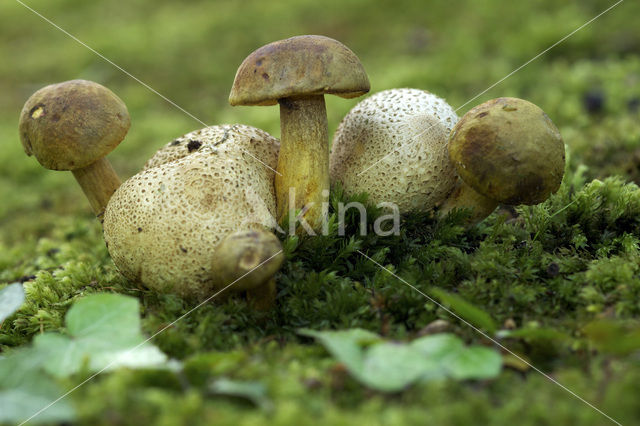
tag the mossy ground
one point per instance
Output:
(548, 270)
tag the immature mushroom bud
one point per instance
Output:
(393, 146)
(296, 73)
(508, 151)
(164, 226)
(73, 126)
(249, 260)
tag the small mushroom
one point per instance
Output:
(249, 260)
(196, 218)
(73, 126)
(393, 146)
(506, 151)
(296, 73)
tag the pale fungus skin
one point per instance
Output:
(162, 226)
(393, 146)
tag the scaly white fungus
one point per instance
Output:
(393, 145)
(162, 225)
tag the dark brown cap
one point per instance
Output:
(72, 124)
(298, 66)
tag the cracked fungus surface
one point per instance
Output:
(163, 224)
(393, 145)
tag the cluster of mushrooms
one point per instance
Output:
(200, 215)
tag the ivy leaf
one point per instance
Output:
(476, 362)
(438, 346)
(24, 391)
(105, 314)
(104, 333)
(11, 298)
(457, 360)
(20, 403)
(344, 345)
(391, 367)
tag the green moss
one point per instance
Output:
(551, 269)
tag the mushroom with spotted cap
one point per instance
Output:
(393, 146)
(73, 126)
(506, 151)
(197, 217)
(297, 73)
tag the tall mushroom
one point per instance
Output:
(73, 126)
(197, 217)
(297, 73)
(506, 151)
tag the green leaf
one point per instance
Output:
(11, 298)
(465, 310)
(20, 403)
(24, 390)
(476, 362)
(344, 345)
(106, 314)
(391, 367)
(252, 391)
(105, 334)
(438, 346)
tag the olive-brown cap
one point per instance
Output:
(508, 150)
(72, 124)
(298, 66)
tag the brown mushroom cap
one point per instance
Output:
(72, 124)
(162, 225)
(508, 150)
(298, 66)
(393, 146)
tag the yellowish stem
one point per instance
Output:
(303, 162)
(98, 182)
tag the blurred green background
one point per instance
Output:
(189, 51)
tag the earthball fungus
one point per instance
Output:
(165, 226)
(393, 146)
(73, 126)
(296, 73)
(506, 151)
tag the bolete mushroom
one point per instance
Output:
(197, 217)
(73, 126)
(506, 151)
(297, 73)
(393, 146)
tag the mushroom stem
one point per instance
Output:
(465, 197)
(303, 162)
(263, 298)
(98, 182)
